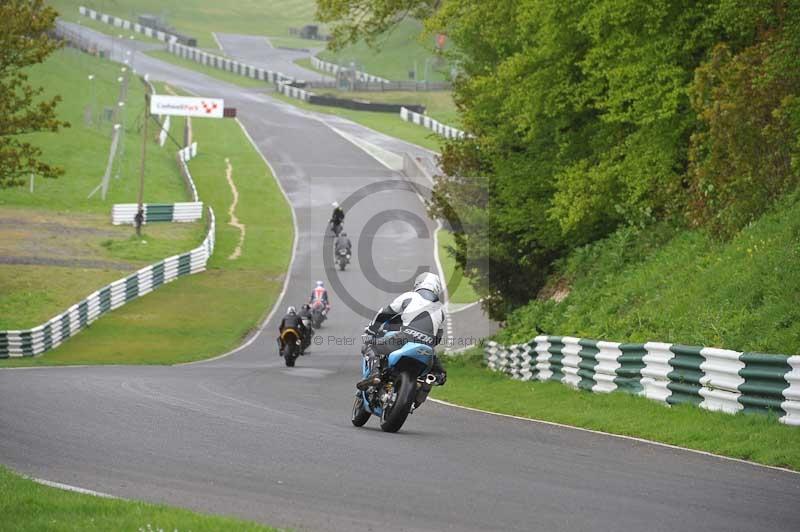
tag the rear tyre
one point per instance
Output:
(360, 414)
(395, 415)
(288, 356)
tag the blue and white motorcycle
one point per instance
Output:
(405, 383)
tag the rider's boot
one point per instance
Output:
(373, 379)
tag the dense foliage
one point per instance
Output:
(594, 115)
(24, 41)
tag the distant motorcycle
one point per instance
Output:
(291, 345)
(406, 380)
(317, 314)
(341, 259)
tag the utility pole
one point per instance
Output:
(140, 209)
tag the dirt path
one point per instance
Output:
(232, 211)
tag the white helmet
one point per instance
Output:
(320, 284)
(291, 310)
(335, 204)
(428, 281)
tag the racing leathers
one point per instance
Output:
(418, 317)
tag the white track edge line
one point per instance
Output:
(69, 487)
(216, 40)
(620, 436)
(285, 287)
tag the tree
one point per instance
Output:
(368, 19)
(24, 41)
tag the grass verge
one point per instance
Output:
(221, 75)
(459, 289)
(750, 437)
(199, 316)
(27, 506)
(387, 123)
(399, 52)
(198, 18)
(58, 243)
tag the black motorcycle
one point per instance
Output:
(334, 228)
(291, 345)
(317, 314)
(307, 323)
(341, 258)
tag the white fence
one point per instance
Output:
(126, 24)
(191, 53)
(333, 68)
(429, 123)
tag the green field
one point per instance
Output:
(399, 52)
(201, 315)
(751, 437)
(199, 18)
(60, 243)
(27, 506)
(459, 289)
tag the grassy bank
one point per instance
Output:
(199, 316)
(199, 18)
(399, 52)
(387, 123)
(57, 242)
(29, 506)
(459, 289)
(751, 437)
(681, 287)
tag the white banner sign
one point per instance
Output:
(161, 104)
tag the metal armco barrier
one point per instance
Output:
(127, 25)
(333, 68)
(437, 127)
(124, 213)
(711, 378)
(223, 63)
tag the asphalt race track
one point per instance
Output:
(242, 435)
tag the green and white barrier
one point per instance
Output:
(711, 378)
(333, 68)
(49, 335)
(126, 25)
(223, 63)
(437, 127)
(125, 213)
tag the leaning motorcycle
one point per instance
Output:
(291, 345)
(405, 383)
(341, 258)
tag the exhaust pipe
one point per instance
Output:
(430, 378)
